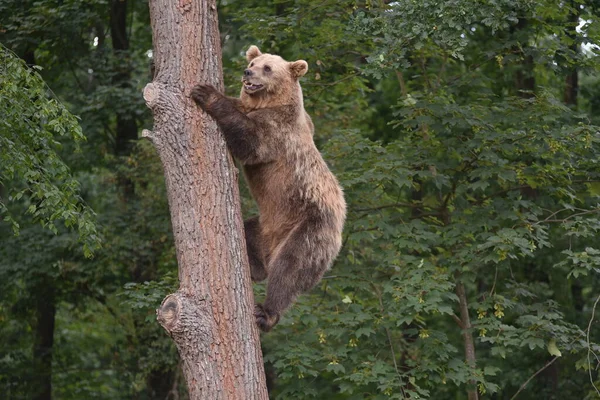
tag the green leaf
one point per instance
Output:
(553, 349)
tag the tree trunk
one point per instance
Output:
(467, 334)
(572, 85)
(524, 74)
(45, 310)
(126, 125)
(210, 317)
(572, 78)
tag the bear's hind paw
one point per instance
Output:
(264, 320)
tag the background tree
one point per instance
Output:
(33, 175)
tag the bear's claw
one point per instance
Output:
(264, 320)
(202, 94)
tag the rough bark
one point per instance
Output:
(210, 317)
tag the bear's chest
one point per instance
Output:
(270, 182)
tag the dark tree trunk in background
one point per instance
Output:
(126, 130)
(524, 75)
(45, 312)
(158, 382)
(210, 317)
(571, 87)
(29, 57)
(524, 78)
(572, 78)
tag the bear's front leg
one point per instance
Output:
(241, 133)
(225, 110)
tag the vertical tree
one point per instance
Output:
(126, 129)
(210, 317)
(572, 78)
(39, 183)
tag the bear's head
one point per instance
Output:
(271, 75)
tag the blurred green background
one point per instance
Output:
(464, 133)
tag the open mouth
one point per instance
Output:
(251, 87)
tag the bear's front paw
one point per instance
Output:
(204, 95)
(264, 319)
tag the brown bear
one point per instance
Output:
(298, 232)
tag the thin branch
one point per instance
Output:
(407, 205)
(458, 321)
(402, 83)
(589, 346)
(494, 285)
(422, 65)
(547, 220)
(364, 230)
(554, 213)
(504, 191)
(389, 337)
(442, 69)
(533, 376)
(525, 187)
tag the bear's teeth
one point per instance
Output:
(252, 86)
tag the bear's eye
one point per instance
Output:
(267, 68)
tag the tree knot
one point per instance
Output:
(178, 313)
(161, 99)
(168, 313)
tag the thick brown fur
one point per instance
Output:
(302, 209)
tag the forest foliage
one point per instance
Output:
(465, 135)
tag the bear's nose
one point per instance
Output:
(248, 72)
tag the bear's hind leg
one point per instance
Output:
(254, 248)
(296, 268)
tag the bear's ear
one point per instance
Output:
(299, 68)
(252, 53)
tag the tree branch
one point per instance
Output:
(458, 321)
(589, 346)
(549, 363)
(389, 338)
(394, 205)
(402, 83)
(467, 334)
(549, 220)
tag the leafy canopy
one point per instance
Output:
(30, 129)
